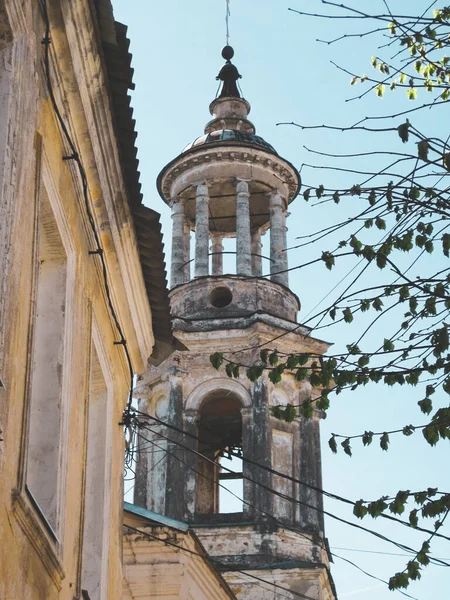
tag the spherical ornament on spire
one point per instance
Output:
(228, 53)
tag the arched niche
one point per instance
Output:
(217, 406)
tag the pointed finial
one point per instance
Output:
(229, 75)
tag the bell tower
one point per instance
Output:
(227, 189)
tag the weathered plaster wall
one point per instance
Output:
(154, 569)
(38, 562)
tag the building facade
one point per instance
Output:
(230, 187)
(82, 284)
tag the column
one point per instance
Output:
(243, 247)
(278, 254)
(256, 253)
(187, 251)
(201, 231)
(178, 251)
(217, 256)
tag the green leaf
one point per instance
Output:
(384, 441)
(216, 359)
(289, 413)
(319, 191)
(328, 259)
(348, 316)
(408, 430)
(431, 434)
(392, 28)
(291, 362)
(403, 131)
(229, 369)
(398, 581)
(254, 372)
(412, 93)
(422, 149)
(377, 508)
(388, 346)
(306, 409)
(332, 444)
(365, 305)
(275, 376)
(446, 244)
(273, 358)
(347, 448)
(397, 506)
(301, 374)
(377, 304)
(277, 412)
(381, 260)
(367, 438)
(379, 90)
(413, 519)
(264, 355)
(359, 510)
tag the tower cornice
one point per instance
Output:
(223, 159)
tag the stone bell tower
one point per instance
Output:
(231, 183)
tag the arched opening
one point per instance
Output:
(219, 479)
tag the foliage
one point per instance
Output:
(400, 228)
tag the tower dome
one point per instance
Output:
(228, 183)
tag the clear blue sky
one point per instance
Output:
(287, 76)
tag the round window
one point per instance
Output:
(220, 297)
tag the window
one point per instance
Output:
(94, 562)
(219, 433)
(44, 434)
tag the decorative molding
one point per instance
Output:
(219, 155)
(104, 173)
(48, 549)
(217, 384)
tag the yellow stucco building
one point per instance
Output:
(83, 301)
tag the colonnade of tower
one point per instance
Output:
(248, 241)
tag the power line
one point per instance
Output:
(289, 528)
(217, 564)
(369, 574)
(297, 501)
(292, 479)
(375, 552)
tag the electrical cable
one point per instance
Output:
(369, 574)
(217, 564)
(292, 479)
(75, 156)
(289, 528)
(297, 501)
